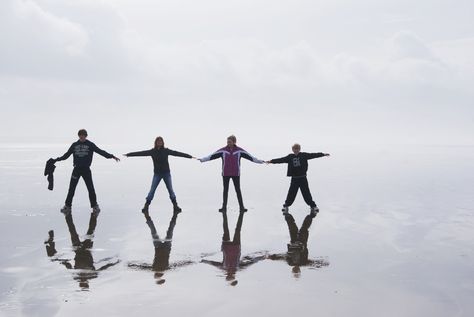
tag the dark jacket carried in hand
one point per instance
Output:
(48, 171)
(297, 164)
(160, 157)
(83, 152)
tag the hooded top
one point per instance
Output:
(297, 164)
(160, 157)
(83, 152)
(231, 159)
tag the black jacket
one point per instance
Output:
(160, 157)
(297, 164)
(83, 152)
(48, 171)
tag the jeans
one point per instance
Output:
(302, 184)
(85, 173)
(166, 176)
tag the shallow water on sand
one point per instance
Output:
(394, 238)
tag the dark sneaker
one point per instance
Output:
(285, 210)
(243, 209)
(223, 209)
(314, 211)
(95, 210)
(66, 210)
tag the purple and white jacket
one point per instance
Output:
(231, 159)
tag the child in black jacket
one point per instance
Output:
(297, 168)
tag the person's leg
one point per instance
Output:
(292, 191)
(154, 184)
(87, 176)
(225, 225)
(292, 228)
(306, 193)
(225, 193)
(72, 231)
(169, 187)
(236, 181)
(72, 186)
(238, 228)
(169, 232)
(304, 230)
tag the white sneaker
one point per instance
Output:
(66, 210)
(314, 211)
(285, 210)
(95, 210)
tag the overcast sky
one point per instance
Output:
(318, 72)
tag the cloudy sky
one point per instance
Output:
(320, 72)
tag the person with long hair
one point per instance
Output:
(231, 155)
(159, 154)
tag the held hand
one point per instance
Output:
(116, 159)
(125, 155)
(268, 162)
(327, 154)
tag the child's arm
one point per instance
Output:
(310, 156)
(285, 159)
(66, 155)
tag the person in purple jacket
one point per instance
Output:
(231, 155)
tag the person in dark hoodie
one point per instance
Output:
(297, 168)
(160, 154)
(82, 151)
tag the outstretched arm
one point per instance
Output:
(139, 153)
(104, 153)
(285, 159)
(315, 155)
(214, 263)
(180, 154)
(213, 156)
(66, 155)
(248, 156)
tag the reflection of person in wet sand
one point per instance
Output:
(161, 261)
(231, 261)
(297, 254)
(83, 259)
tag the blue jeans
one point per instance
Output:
(166, 176)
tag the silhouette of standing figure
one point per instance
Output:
(161, 260)
(297, 254)
(231, 251)
(83, 259)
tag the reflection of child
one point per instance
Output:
(297, 168)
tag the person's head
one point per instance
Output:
(159, 143)
(231, 141)
(296, 148)
(82, 133)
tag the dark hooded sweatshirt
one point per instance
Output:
(83, 152)
(297, 164)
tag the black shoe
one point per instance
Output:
(223, 209)
(243, 209)
(176, 209)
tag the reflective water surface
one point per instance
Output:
(394, 237)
